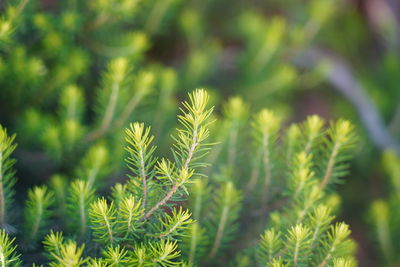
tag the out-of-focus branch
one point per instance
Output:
(343, 80)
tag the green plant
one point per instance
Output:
(145, 221)
(73, 75)
(384, 215)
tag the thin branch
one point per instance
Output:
(38, 218)
(144, 177)
(162, 202)
(193, 245)
(220, 231)
(177, 184)
(82, 213)
(172, 229)
(254, 174)
(267, 171)
(329, 168)
(108, 115)
(109, 230)
(130, 107)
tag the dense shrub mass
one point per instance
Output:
(122, 162)
(148, 221)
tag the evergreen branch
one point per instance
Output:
(116, 257)
(58, 185)
(342, 136)
(140, 257)
(102, 217)
(37, 211)
(198, 197)
(336, 243)
(162, 202)
(255, 172)
(266, 126)
(320, 220)
(313, 129)
(226, 212)
(7, 179)
(70, 256)
(145, 82)
(141, 158)
(164, 253)
(270, 245)
(52, 244)
(293, 135)
(189, 139)
(220, 231)
(343, 262)
(71, 103)
(109, 113)
(174, 225)
(302, 178)
(81, 196)
(194, 242)
(380, 215)
(8, 254)
(96, 263)
(94, 164)
(278, 263)
(298, 240)
(129, 216)
(119, 192)
(117, 71)
(306, 202)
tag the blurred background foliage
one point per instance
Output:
(76, 72)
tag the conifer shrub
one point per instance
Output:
(108, 177)
(277, 211)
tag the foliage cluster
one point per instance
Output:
(240, 186)
(145, 221)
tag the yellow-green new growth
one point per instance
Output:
(299, 240)
(70, 255)
(236, 109)
(189, 146)
(391, 163)
(343, 262)
(226, 208)
(270, 245)
(380, 216)
(266, 126)
(52, 244)
(102, 218)
(302, 176)
(173, 225)
(115, 256)
(165, 253)
(37, 212)
(130, 215)
(141, 159)
(72, 103)
(81, 196)
(336, 244)
(94, 164)
(341, 139)
(8, 254)
(312, 130)
(7, 179)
